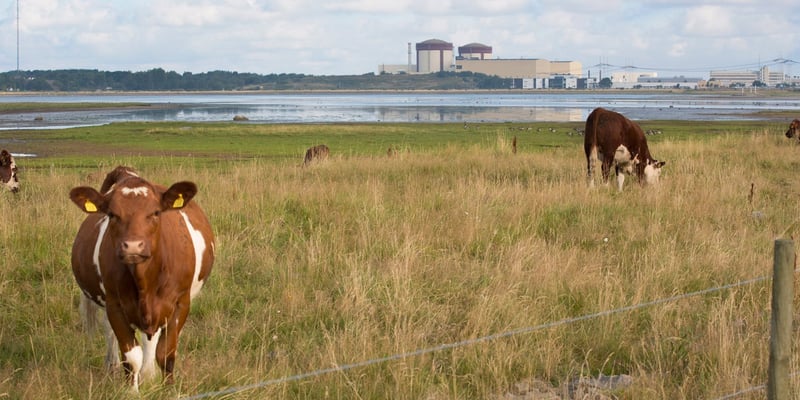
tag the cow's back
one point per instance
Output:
(189, 226)
(607, 130)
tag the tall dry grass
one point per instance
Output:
(360, 258)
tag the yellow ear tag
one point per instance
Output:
(178, 202)
(89, 206)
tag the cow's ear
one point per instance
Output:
(660, 164)
(178, 195)
(87, 199)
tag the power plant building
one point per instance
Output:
(434, 55)
(520, 68)
(474, 51)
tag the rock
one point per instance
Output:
(531, 389)
(240, 118)
(594, 388)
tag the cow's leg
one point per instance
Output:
(591, 160)
(128, 346)
(620, 177)
(605, 170)
(149, 350)
(168, 342)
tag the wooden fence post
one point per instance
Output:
(780, 341)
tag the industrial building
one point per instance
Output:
(746, 78)
(651, 80)
(435, 55)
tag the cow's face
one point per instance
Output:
(134, 208)
(652, 171)
(794, 129)
(8, 171)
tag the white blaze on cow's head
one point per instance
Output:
(134, 209)
(8, 171)
(652, 171)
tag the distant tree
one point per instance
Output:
(758, 83)
(605, 83)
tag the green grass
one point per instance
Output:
(366, 256)
(75, 106)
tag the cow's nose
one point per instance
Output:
(133, 246)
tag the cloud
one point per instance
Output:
(355, 36)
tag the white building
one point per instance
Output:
(746, 78)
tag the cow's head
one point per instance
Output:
(794, 129)
(652, 171)
(133, 207)
(8, 171)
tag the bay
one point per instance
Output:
(332, 107)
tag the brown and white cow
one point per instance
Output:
(143, 252)
(614, 139)
(794, 129)
(8, 171)
(316, 153)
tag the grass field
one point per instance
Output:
(456, 238)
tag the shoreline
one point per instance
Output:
(721, 93)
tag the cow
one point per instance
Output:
(316, 153)
(8, 171)
(614, 139)
(794, 129)
(143, 253)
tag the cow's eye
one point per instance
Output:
(156, 214)
(112, 216)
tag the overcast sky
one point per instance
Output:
(321, 37)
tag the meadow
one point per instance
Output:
(456, 238)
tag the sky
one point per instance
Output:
(353, 37)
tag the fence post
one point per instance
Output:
(780, 341)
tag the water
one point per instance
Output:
(392, 107)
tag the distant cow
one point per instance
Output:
(8, 171)
(614, 139)
(316, 153)
(794, 129)
(143, 252)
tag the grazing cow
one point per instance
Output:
(614, 139)
(143, 252)
(316, 153)
(8, 171)
(794, 129)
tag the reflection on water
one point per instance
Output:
(479, 114)
(392, 107)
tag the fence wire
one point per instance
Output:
(468, 342)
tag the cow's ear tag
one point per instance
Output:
(89, 206)
(178, 202)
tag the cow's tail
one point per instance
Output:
(591, 150)
(89, 311)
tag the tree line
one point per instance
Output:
(157, 79)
